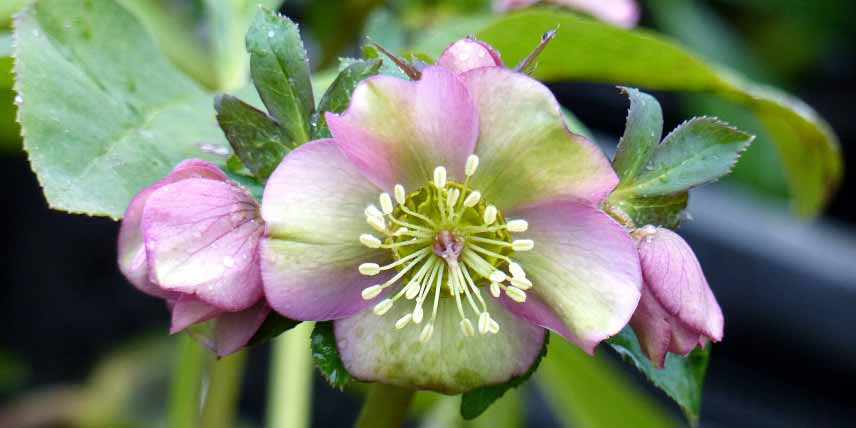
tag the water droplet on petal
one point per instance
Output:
(228, 261)
(271, 33)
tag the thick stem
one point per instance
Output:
(385, 407)
(290, 394)
(183, 410)
(224, 390)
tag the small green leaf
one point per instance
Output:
(475, 402)
(274, 325)
(681, 378)
(665, 211)
(698, 151)
(641, 134)
(103, 113)
(280, 71)
(338, 95)
(256, 139)
(326, 355)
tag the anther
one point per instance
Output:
(472, 165)
(498, 276)
(522, 245)
(403, 321)
(425, 336)
(384, 306)
(489, 214)
(467, 327)
(484, 323)
(493, 327)
(386, 203)
(377, 223)
(371, 292)
(472, 199)
(515, 294)
(440, 177)
(418, 313)
(369, 269)
(516, 270)
(370, 241)
(521, 283)
(517, 226)
(452, 198)
(399, 194)
(495, 290)
(372, 211)
(412, 291)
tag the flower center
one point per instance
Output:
(447, 243)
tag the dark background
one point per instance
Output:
(785, 285)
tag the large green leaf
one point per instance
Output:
(280, 70)
(681, 378)
(205, 38)
(592, 393)
(589, 50)
(103, 112)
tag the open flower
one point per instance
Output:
(677, 311)
(192, 239)
(447, 221)
(624, 13)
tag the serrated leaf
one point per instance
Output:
(475, 402)
(681, 378)
(258, 141)
(808, 147)
(642, 133)
(665, 211)
(325, 354)
(698, 151)
(274, 325)
(103, 113)
(338, 95)
(280, 71)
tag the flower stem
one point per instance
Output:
(220, 407)
(385, 407)
(183, 410)
(290, 394)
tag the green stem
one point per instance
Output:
(385, 407)
(224, 389)
(290, 394)
(183, 410)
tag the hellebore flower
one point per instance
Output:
(624, 13)
(192, 239)
(677, 311)
(446, 222)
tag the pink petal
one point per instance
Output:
(398, 131)
(676, 280)
(653, 328)
(467, 54)
(201, 238)
(235, 329)
(132, 255)
(584, 267)
(527, 155)
(503, 5)
(188, 310)
(313, 205)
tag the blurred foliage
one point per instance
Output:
(588, 392)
